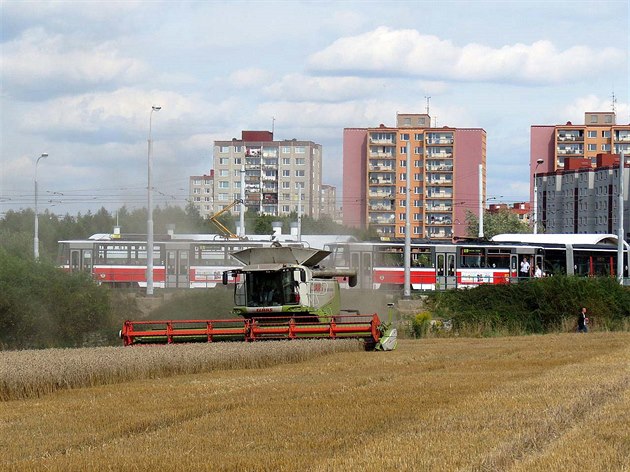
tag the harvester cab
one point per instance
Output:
(279, 293)
(280, 280)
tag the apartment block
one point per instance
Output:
(443, 175)
(276, 174)
(201, 193)
(328, 200)
(582, 198)
(554, 144)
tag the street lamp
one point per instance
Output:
(150, 209)
(36, 237)
(538, 162)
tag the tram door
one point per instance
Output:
(81, 260)
(361, 261)
(177, 265)
(445, 275)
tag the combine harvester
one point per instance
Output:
(281, 293)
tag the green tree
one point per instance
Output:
(500, 222)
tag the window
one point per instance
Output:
(285, 208)
(418, 137)
(300, 150)
(417, 176)
(605, 134)
(196, 181)
(224, 184)
(593, 118)
(238, 148)
(196, 191)
(403, 176)
(592, 134)
(286, 173)
(417, 150)
(223, 197)
(300, 161)
(286, 161)
(299, 173)
(224, 173)
(286, 184)
(299, 185)
(237, 161)
(403, 149)
(285, 149)
(403, 163)
(607, 118)
(592, 147)
(224, 149)
(223, 160)
(404, 136)
(606, 147)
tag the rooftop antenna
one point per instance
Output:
(273, 124)
(614, 102)
(435, 121)
(428, 99)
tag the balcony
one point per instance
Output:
(433, 194)
(440, 182)
(571, 150)
(382, 219)
(570, 137)
(382, 195)
(381, 208)
(381, 168)
(439, 168)
(374, 140)
(386, 155)
(438, 208)
(440, 140)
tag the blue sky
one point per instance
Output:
(78, 80)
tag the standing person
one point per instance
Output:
(582, 322)
(524, 267)
(538, 273)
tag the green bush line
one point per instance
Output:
(535, 306)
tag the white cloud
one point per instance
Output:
(250, 77)
(388, 52)
(37, 61)
(575, 111)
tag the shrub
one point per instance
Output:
(420, 324)
(41, 306)
(534, 306)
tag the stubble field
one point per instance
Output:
(534, 403)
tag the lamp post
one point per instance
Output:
(36, 237)
(538, 162)
(150, 209)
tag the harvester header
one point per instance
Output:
(280, 293)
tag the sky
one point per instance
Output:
(78, 80)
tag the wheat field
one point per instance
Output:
(532, 403)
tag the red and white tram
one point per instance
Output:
(441, 266)
(182, 261)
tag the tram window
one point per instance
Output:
(208, 254)
(391, 256)
(498, 258)
(87, 260)
(582, 264)
(421, 257)
(137, 254)
(112, 254)
(339, 256)
(472, 257)
(440, 265)
(604, 264)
